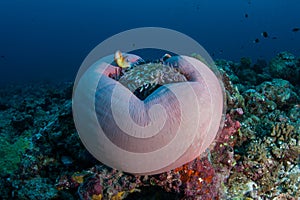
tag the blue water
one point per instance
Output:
(48, 39)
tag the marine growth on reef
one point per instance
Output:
(148, 118)
(255, 156)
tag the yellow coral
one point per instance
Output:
(78, 178)
(97, 197)
(119, 196)
(282, 131)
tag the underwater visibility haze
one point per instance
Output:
(49, 39)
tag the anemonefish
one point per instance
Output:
(121, 60)
(165, 57)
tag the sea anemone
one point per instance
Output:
(144, 79)
(171, 126)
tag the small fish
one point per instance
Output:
(246, 15)
(121, 60)
(165, 57)
(274, 38)
(256, 40)
(295, 29)
(265, 34)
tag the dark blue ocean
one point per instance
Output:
(48, 40)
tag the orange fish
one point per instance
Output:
(121, 60)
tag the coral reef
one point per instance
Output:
(279, 91)
(100, 182)
(285, 66)
(11, 154)
(269, 165)
(255, 155)
(37, 188)
(267, 147)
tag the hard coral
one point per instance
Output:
(285, 66)
(233, 97)
(257, 103)
(270, 162)
(106, 183)
(37, 188)
(279, 91)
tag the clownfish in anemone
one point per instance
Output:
(121, 60)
